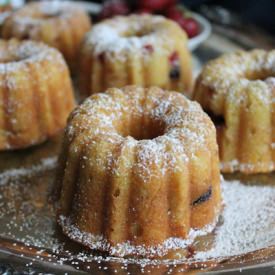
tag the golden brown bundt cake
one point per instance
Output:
(238, 91)
(59, 24)
(5, 6)
(36, 94)
(138, 49)
(139, 172)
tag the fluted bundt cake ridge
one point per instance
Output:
(238, 91)
(36, 94)
(98, 242)
(137, 49)
(60, 24)
(130, 155)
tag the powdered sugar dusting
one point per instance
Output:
(234, 67)
(44, 165)
(249, 221)
(124, 249)
(238, 88)
(183, 122)
(31, 17)
(233, 76)
(235, 165)
(20, 54)
(121, 34)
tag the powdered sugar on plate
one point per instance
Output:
(248, 220)
(248, 223)
(123, 249)
(44, 165)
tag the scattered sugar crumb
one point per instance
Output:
(43, 165)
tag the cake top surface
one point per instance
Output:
(131, 33)
(177, 127)
(36, 13)
(239, 68)
(238, 76)
(17, 55)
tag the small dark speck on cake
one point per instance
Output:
(101, 57)
(175, 73)
(149, 48)
(204, 197)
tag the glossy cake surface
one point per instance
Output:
(139, 172)
(36, 94)
(59, 24)
(138, 49)
(238, 91)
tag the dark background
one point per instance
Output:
(258, 12)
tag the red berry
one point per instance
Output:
(174, 13)
(181, 21)
(174, 57)
(153, 4)
(114, 7)
(149, 48)
(105, 12)
(191, 26)
(120, 7)
(171, 3)
(144, 11)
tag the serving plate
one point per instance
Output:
(30, 238)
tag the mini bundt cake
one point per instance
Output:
(139, 172)
(59, 24)
(238, 92)
(5, 6)
(138, 49)
(36, 94)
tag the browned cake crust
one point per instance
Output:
(139, 172)
(59, 24)
(138, 49)
(238, 91)
(36, 93)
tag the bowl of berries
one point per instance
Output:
(196, 26)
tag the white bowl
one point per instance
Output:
(205, 31)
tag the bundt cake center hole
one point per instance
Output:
(148, 131)
(10, 59)
(51, 14)
(137, 33)
(263, 75)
